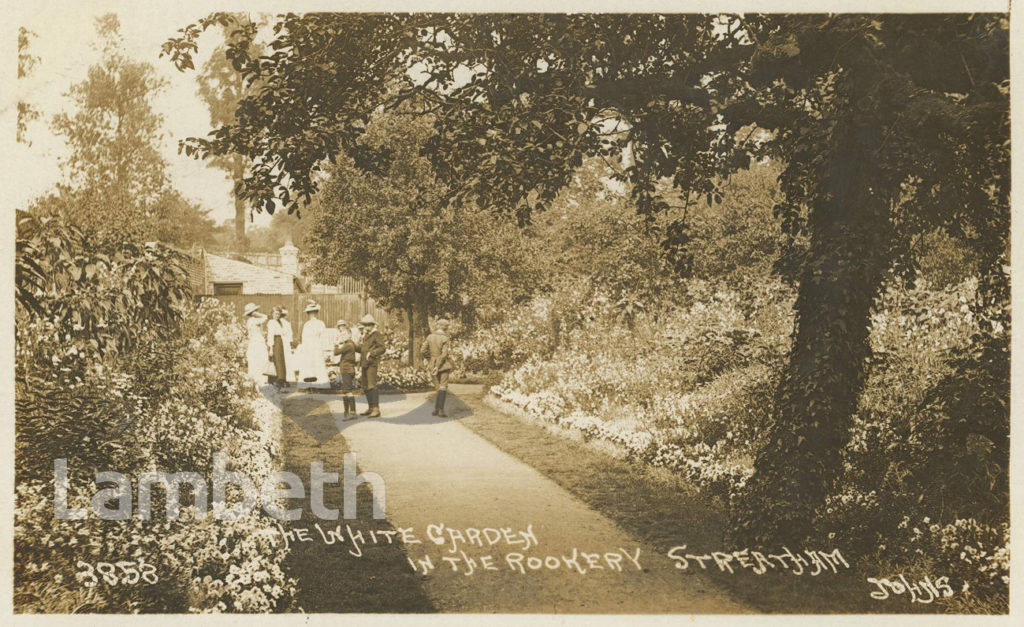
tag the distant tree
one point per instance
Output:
(171, 219)
(114, 171)
(222, 236)
(392, 230)
(180, 222)
(592, 233)
(221, 87)
(282, 227)
(739, 239)
(27, 112)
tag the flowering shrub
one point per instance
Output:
(203, 407)
(693, 391)
(167, 404)
(203, 566)
(396, 344)
(690, 391)
(527, 331)
(918, 454)
(406, 378)
(77, 301)
(975, 555)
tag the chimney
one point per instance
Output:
(289, 257)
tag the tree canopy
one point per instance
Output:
(392, 230)
(114, 137)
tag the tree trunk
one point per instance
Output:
(817, 396)
(237, 173)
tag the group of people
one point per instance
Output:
(273, 356)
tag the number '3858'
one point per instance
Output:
(115, 573)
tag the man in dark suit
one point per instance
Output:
(371, 349)
(436, 351)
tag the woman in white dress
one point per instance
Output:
(312, 366)
(256, 353)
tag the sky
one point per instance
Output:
(64, 45)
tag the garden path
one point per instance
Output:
(438, 472)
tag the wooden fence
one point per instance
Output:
(332, 306)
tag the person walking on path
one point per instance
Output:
(275, 342)
(256, 353)
(371, 349)
(345, 350)
(436, 354)
(312, 365)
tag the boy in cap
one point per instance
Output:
(436, 350)
(371, 349)
(345, 350)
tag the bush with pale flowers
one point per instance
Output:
(167, 403)
(692, 391)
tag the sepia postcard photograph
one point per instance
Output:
(554, 313)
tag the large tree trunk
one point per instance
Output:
(817, 396)
(237, 173)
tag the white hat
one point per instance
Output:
(249, 308)
(367, 319)
(341, 323)
(312, 306)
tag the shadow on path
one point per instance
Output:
(337, 576)
(320, 415)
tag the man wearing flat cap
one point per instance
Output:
(371, 349)
(436, 352)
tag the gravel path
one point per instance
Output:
(438, 472)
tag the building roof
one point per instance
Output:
(258, 279)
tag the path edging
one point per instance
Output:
(572, 433)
